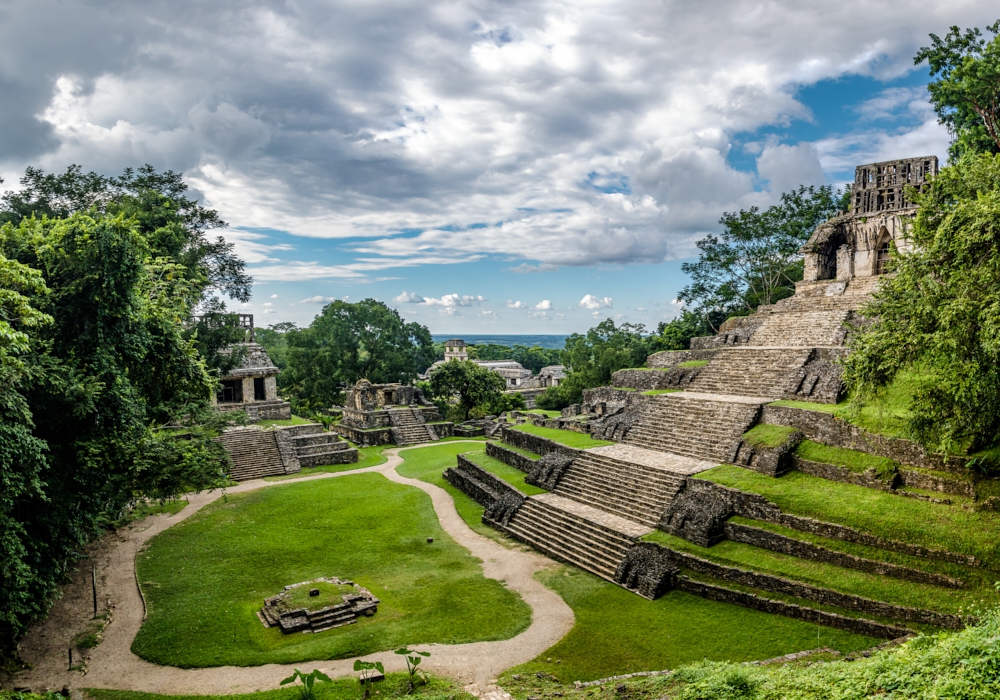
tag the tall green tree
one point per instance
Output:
(755, 260)
(593, 357)
(966, 93)
(938, 316)
(351, 341)
(471, 385)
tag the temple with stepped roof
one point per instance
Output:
(601, 502)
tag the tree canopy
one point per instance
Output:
(347, 342)
(472, 386)
(966, 93)
(939, 314)
(755, 260)
(533, 358)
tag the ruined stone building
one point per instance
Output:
(252, 386)
(379, 414)
(514, 373)
(857, 243)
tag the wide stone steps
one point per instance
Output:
(574, 533)
(755, 371)
(632, 491)
(694, 427)
(802, 329)
(253, 452)
(332, 618)
(408, 429)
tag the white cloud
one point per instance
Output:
(275, 296)
(268, 304)
(592, 302)
(319, 300)
(270, 311)
(488, 313)
(788, 167)
(516, 304)
(408, 298)
(453, 300)
(544, 305)
(525, 268)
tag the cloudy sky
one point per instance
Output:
(484, 167)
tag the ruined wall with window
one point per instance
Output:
(858, 243)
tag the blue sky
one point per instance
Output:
(504, 166)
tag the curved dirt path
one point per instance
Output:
(113, 665)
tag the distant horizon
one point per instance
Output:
(551, 341)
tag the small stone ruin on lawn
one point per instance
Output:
(317, 605)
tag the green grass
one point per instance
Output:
(346, 688)
(842, 457)
(205, 578)
(569, 438)
(618, 632)
(525, 453)
(294, 420)
(428, 464)
(657, 392)
(543, 412)
(329, 594)
(367, 457)
(765, 435)
(692, 363)
(888, 515)
(514, 477)
(890, 590)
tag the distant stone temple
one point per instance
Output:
(252, 386)
(858, 243)
(516, 375)
(378, 414)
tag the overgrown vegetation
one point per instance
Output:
(843, 457)
(570, 438)
(474, 390)
(765, 435)
(103, 390)
(504, 472)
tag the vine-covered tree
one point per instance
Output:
(938, 316)
(966, 93)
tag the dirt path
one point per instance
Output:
(113, 665)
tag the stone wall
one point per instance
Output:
(778, 607)
(930, 482)
(830, 430)
(766, 539)
(832, 472)
(364, 437)
(735, 331)
(535, 443)
(773, 461)
(669, 358)
(443, 429)
(509, 457)
(651, 379)
(500, 499)
(824, 596)
(756, 507)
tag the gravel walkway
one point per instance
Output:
(113, 665)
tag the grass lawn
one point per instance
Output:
(294, 420)
(543, 412)
(657, 392)
(765, 435)
(890, 590)
(428, 463)
(888, 515)
(514, 477)
(394, 686)
(205, 578)
(570, 438)
(526, 453)
(843, 457)
(367, 457)
(618, 632)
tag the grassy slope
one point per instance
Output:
(514, 477)
(658, 392)
(205, 578)
(428, 463)
(569, 438)
(765, 435)
(618, 632)
(294, 420)
(840, 456)
(888, 515)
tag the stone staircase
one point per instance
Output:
(700, 426)
(575, 533)
(631, 482)
(316, 447)
(753, 371)
(408, 428)
(255, 453)
(802, 329)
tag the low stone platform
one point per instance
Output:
(628, 528)
(653, 459)
(291, 616)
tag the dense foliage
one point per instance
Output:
(756, 260)
(594, 357)
(938, 316)
(103, 396)
(477, 391)
(966, 94)
(344, 343)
